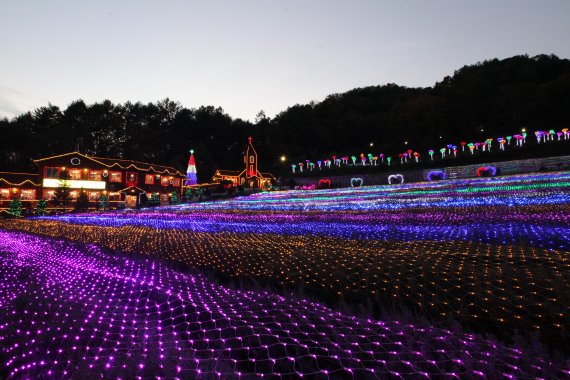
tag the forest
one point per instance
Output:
(479, 101)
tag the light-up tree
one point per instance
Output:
(442, 151)
(559, 134)
(353, 158)
(454, 151)
(566, 133)
(388, 159)
(416, 156)
(381, 155)
(431, 154)
(310, 165)
(551, 134)
(300, 167)
(363, 159)
(509, 139)
(293, 167)
(319, 163)
(401, 155)
(449, 148)
(538, 135)
(463, 143)
(471, 148)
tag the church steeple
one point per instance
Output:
(250, 159)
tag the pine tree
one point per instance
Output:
(173, 198)
(41, 207)
(61, 194)
(103, 202)
(82, 202)
(154, 199)
(15, 208)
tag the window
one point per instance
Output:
(28, 194)
(251, 159)
(4, 193)
(114, 197)
(48, 194)
(132, 177)
(74, 194)
(94, 196)
(164, 181)
(95, 175)
(51, 172)
(176, 182)
(75, 174)
(115, 177)
(163, 199)
(149, 179)
(251, 172)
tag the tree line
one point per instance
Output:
(486, 99)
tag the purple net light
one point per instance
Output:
(72, 311)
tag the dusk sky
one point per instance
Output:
(245, 56)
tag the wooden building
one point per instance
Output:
(22, 186)
(123, 181)
(250, 176)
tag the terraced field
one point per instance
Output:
(148, 292)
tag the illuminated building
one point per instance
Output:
(125, 182)
(250, 176)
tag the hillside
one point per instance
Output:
(478, 101)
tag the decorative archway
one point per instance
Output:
(486, 171)
(436, 175)
(397, 179)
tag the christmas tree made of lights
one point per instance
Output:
(191, 178)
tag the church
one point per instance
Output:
(250, 176)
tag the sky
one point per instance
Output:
(252, 55)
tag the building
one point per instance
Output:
(250, 176)
(123, 181)
(23, 186)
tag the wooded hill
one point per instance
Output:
(497, 96)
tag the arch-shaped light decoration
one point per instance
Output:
(395, 179)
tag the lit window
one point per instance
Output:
(94, 196)
(28, 194)
(251, 159)
(149, 179)
(164, 181)
(115, 177)
(48, 194)
(176, 182)
(95, 175)
(75, 174)
(51, 172)
(74, 194)
(114, 197)
(132, 177)
(4, 193)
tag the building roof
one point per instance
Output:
(228, 173)
(121, 164)
(19, 179)
(267, 175)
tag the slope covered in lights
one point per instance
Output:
(72, 311)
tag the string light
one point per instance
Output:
(73, 311)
